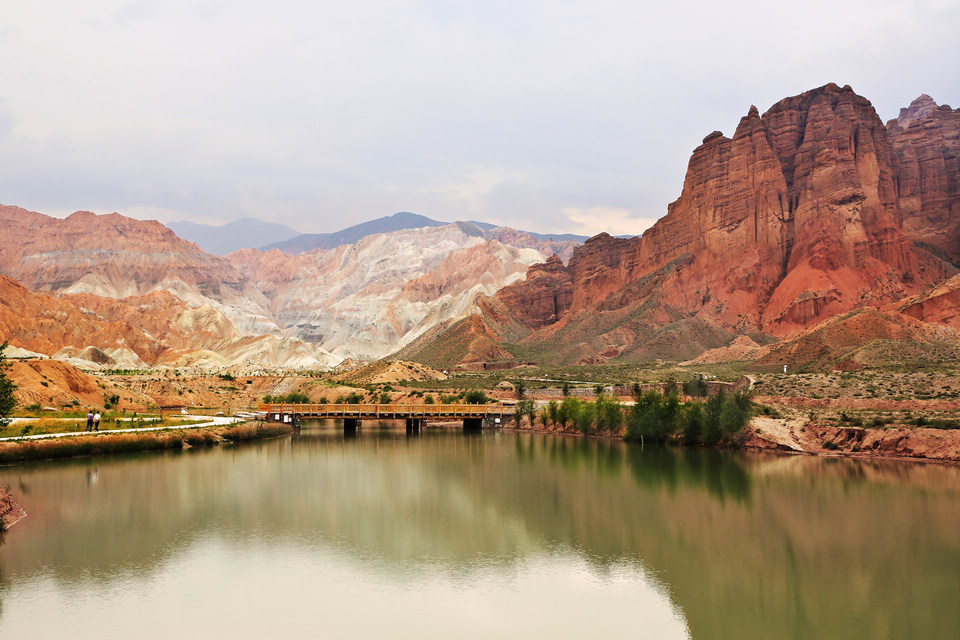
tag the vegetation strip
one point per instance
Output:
(24, 450)
(72, 434)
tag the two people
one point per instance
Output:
(93, 421)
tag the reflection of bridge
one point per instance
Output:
(474, 416)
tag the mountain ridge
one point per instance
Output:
(220, 240)
(792, 221)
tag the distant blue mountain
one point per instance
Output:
(310, 241)
(247, 233)
(396, 222)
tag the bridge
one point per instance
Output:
(474, 416)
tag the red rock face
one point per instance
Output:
(793, 220)
(108, 254)
(543, 298)
(926, 144)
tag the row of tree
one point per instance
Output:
(654, 416)
(474, 396)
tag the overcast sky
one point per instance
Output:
(547, 115)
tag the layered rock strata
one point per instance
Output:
(808, 211)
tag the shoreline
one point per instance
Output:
(921, 444)
(83, 444)
(10, 511)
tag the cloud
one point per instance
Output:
(320, 115)
(617, 222)
(470, 191)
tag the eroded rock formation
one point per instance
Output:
(807, 212)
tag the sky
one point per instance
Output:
(552, 116)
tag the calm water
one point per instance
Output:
(495, 535)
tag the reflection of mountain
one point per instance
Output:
(746, 546)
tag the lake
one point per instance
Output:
(486, 535)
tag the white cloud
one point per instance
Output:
(471, 188)
(319, 114)
(590, 221)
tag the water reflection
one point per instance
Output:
(722, 544)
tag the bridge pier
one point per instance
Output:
(351, 424)
(414, 425)
(472, 424)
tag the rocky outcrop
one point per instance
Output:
(940, 305)
(793, 220)
(926, 144)
(544, 297)
(10, 511)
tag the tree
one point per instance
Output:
(526, 408)
(520, 387)
(7, 401)
(476, 396)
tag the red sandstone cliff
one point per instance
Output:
(795, 219)
(926, 143)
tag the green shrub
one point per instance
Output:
(585, 417)
(696, 388)
(653, 417)
(476, 396)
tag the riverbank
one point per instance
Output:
(54, 446)
(10, 511)
(796, 435)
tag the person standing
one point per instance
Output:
(96, 421)
(89, 421)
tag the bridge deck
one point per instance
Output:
(391, 411)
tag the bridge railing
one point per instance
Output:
(398, 410)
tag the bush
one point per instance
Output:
(567, 411)
(476, 396)
(657, 418)
(696, 388)
(7, 401)
(585, 417)
(553, 411)
(294, 397)
(609, 414)
(693, 423)
(654, 417)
